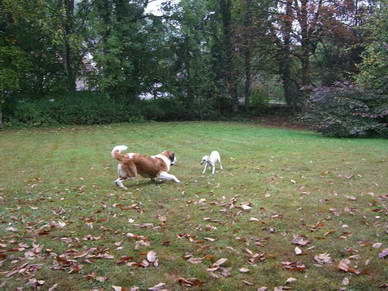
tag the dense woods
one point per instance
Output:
(88, 62)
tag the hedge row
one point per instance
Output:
(91, 108)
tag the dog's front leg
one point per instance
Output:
(119, 183)
(168, 177)
(204, 169)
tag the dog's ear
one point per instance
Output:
(171, 156)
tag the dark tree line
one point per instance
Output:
(209, 55)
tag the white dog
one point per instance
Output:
(211, 161)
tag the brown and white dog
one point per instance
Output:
(133, 164)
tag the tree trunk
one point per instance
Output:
(285, 61)
(248, 80)
(230, 80)
(288, 86)
(68, 61)
(247, 54)
(1, 116)
(305, 58)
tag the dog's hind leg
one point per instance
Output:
(220, 164)
(125, 171)
(213, 169)
(168, 177)
(122, 176)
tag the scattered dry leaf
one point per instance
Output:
(291, 280)
(383, 254)
(189, 282)
(193, 260)
(294, 266)
(344, 265)
(323, 259)
(345, 281)
(151, 256)
(300, 240)
(377, 245)
(220, 262)
(298, 251)
(158, 287)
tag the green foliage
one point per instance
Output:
(80, 108)
(128, 48)
(374, 67)
(13, 62)
(345, 110)
(335, 60)
(258, 100)
(266, 93)
(31, 27)
(206, 53)
(93, 108)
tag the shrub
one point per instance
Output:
(31, 114)
(345, 110)
(76, 108)
(259, 101)
(166, 109)
(94, 108)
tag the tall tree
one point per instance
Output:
(281, 31)
(374, 66)
(252, 45)
(125, 43)
(68, 29)
(229, 71)
(299, 26)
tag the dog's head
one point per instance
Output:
(204, 160)
(171, 156)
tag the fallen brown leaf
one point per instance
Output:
(189, 282)
(300, 240)
(344, 265)
(383, 254)
(323, 259)
(158, 287)
(294, 266)
(220, 262)
(151, 256)
(298, 251)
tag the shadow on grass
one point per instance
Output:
(133, 184)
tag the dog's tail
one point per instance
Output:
(116, 152)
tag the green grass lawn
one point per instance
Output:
(64, 223)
